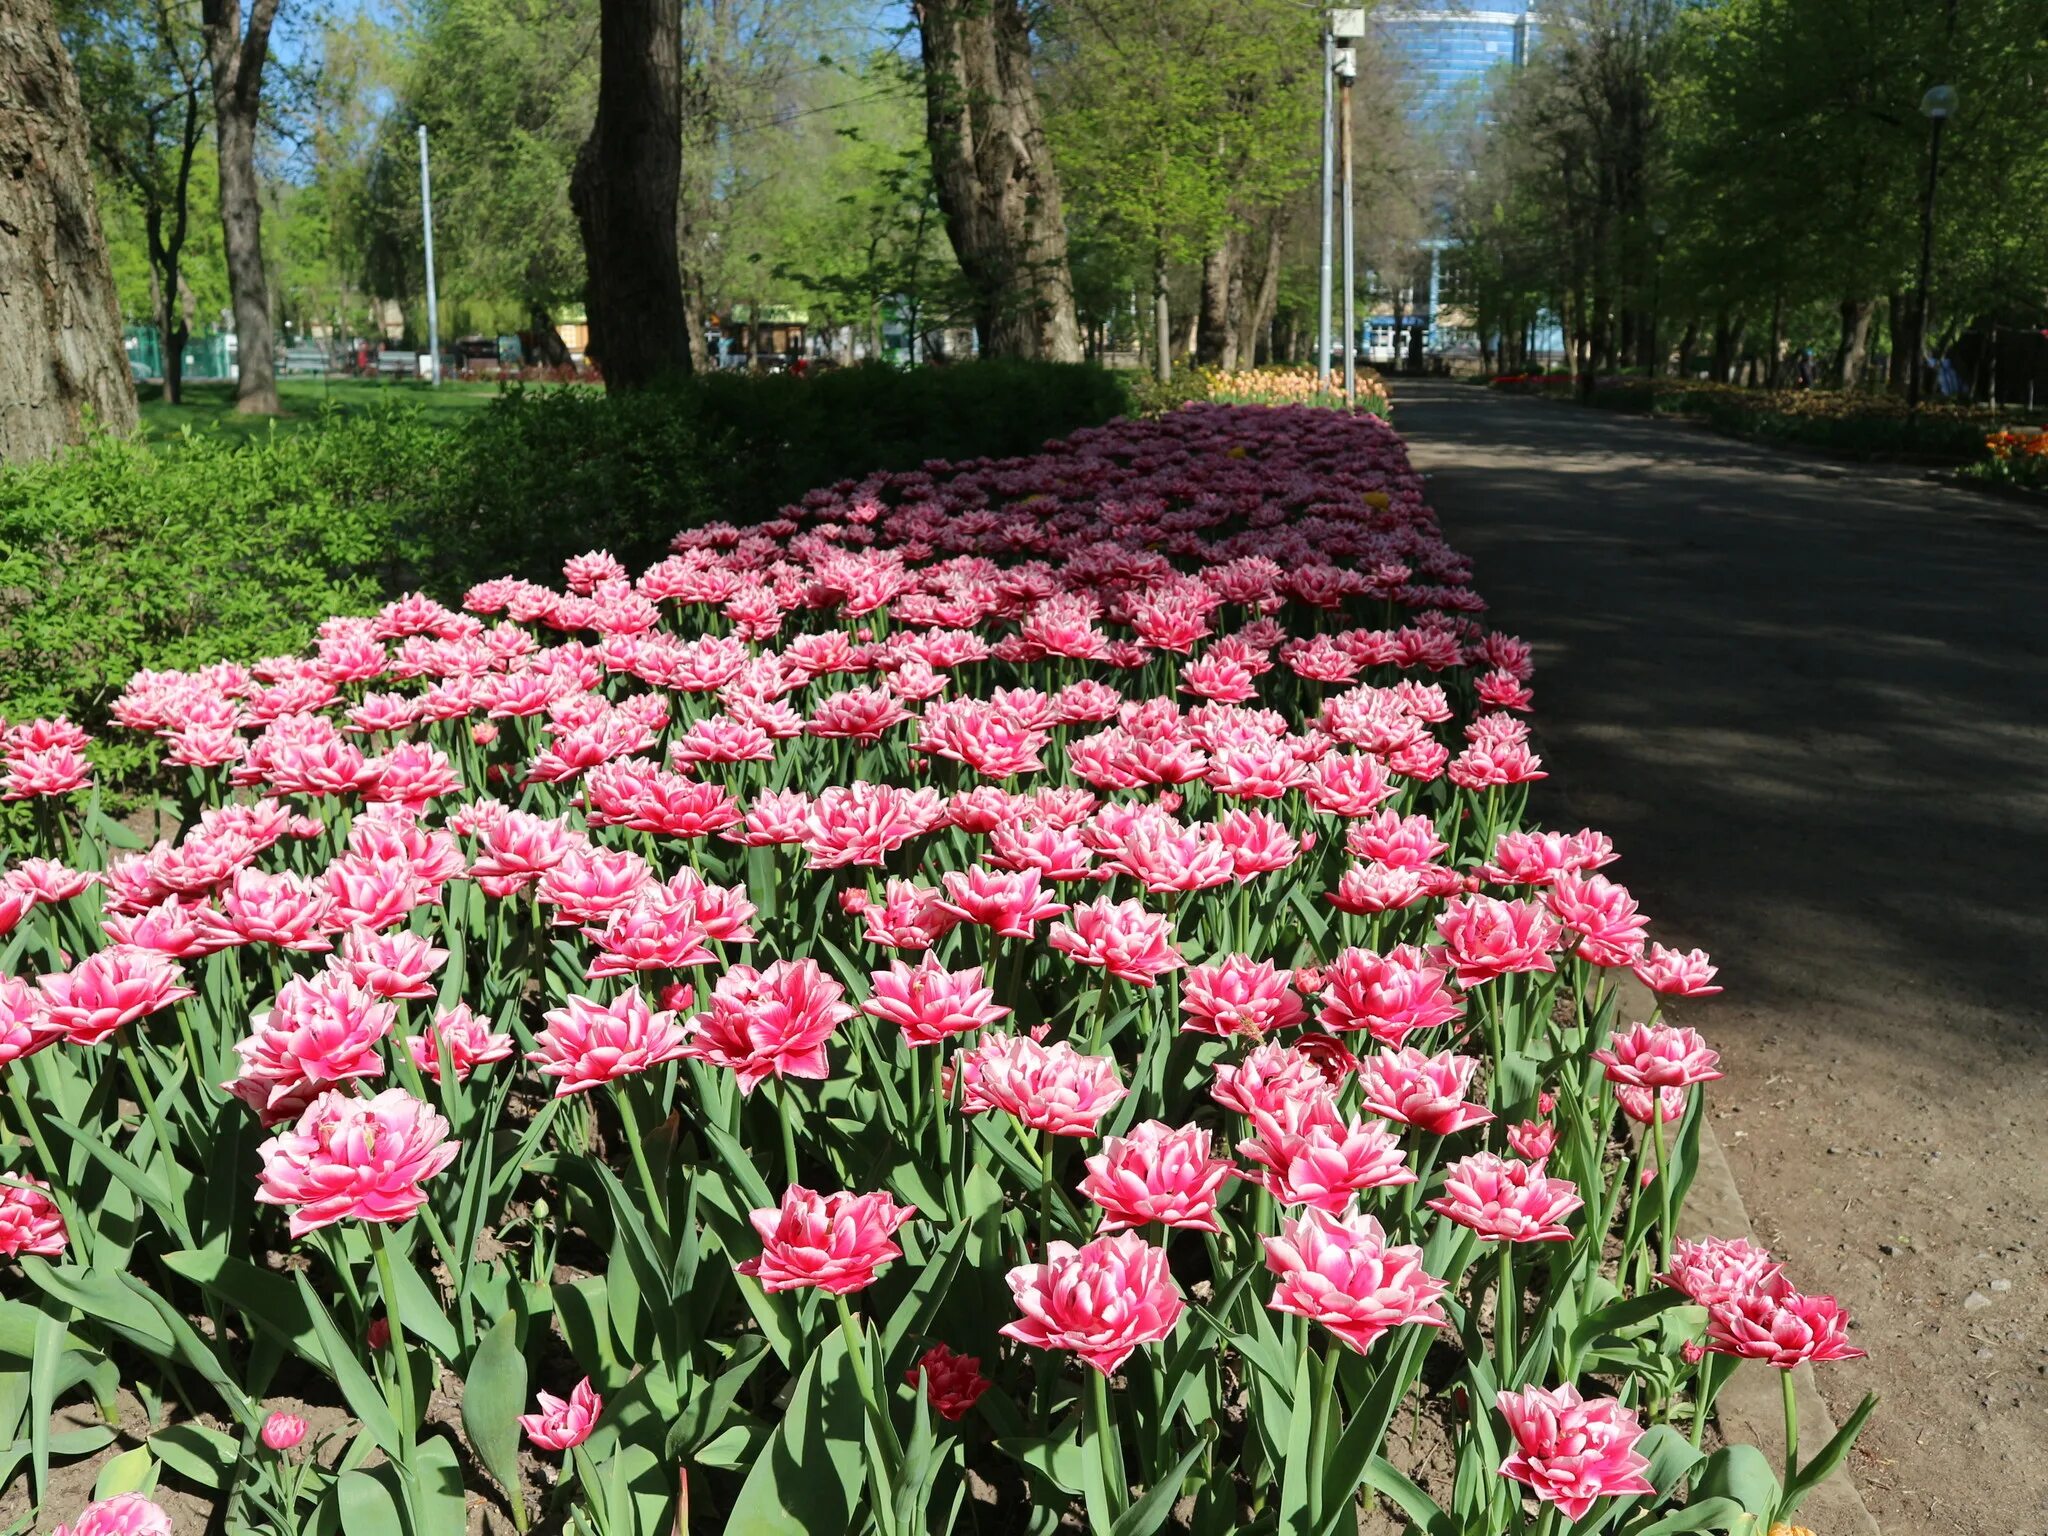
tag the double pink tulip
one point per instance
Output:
(1340, 1271)
(362, 1158)
(1101, 1301)
(1570, 1451)
(831, 1242)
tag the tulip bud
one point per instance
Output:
(282, 1431)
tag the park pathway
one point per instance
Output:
(1809, 700)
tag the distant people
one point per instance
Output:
(1802, 369)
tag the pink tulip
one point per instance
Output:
(770, 1023)
(1267, 1080)
(1569, 1451)
(1602, 913)
(29, 1219)
(1338, 1270)
(320, 1033)
(832, 1242)
(1390, 996)
(125, 1514)
(1320, 1159)
(1052, 1088)
(109, 989)
(930, 1003)
(562, 1425)
(587, 1043)
(1658, 1056)
(360, 1158)
(1238, 995)
(1157, 1173)
(1781, 1327)
(470, 1043)
(1007, 901)
(1643, 1105)
(1487, 937)
(1533, 1139)
(1718, 1269)
(25, 1023)
(1119, 937)
(1674, 974)
(952, 1383)
(1501, 1198)
(395, 965)
(1427, 1092)
(283, 1431)
(1101, 1301)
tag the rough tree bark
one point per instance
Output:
(236, 58)
(624, 191)
(62, 365)
(994, 176)
(1854, 349)
(1257, 320)
(1214, 342)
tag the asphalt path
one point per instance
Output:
(1809, 701)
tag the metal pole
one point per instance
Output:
(1350, 248)
(433, 304)
(1329, 135)
(1926, 268)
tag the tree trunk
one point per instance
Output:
(624, 190)
(63, 368)
(1855, 344)
(1214, 342)
(236, 59)
(994, 176)
(548, 348)
(1686, 343)
(1258, 315)
(1899, 325)
(1162, 320)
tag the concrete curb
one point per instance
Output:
(1748, 1408)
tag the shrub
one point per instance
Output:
(115, 558)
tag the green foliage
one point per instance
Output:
(116, 558)
(119, 557)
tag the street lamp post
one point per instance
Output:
(1938, 105)
(1329, 154)
(433, 302)
(1346, 27)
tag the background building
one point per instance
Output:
(1445, 50)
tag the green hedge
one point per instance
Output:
(118, 557)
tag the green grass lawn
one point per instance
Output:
(210, 408)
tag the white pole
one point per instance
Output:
(433, 304)
(1347, 66)
(1329, 150)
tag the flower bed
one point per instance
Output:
(2017, 457)
(1017, 992)
(1852, 423)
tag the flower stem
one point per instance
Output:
(1109, 1445)
(884, 1432)
(1663, 1184)
(1791, 1428)
(387, 1284)
(1319, 1430)
(1507, 1315)
(786, 1108)
(657, 1201)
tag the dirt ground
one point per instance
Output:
(1810, 703)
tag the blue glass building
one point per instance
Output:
(1445, 50)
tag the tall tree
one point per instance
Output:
(237, 58)
(143, 75)
(62, 365)
(995, 178)
(624, 190)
